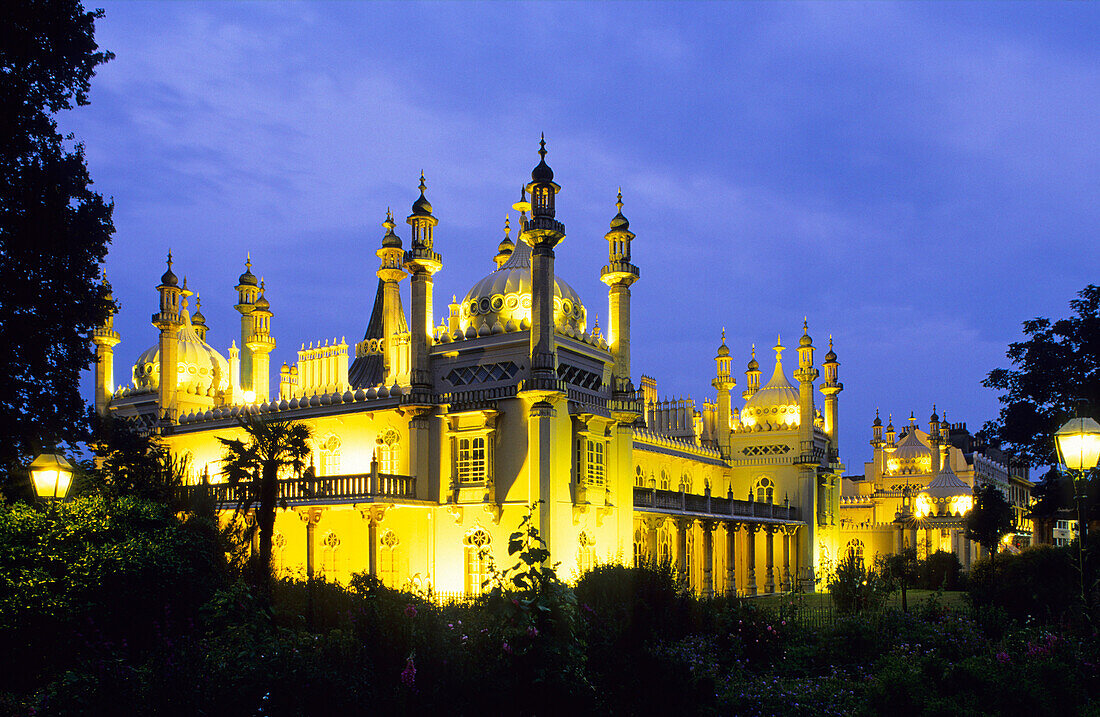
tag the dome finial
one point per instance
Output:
(422, 207)
(542, 145)
(169, 279)
(619, 201)
(507, 227)
(423, 186)
(542, 172)
(248, 260)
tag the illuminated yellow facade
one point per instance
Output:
(431, 441)
(918, 488)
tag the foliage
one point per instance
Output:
(855, 587)
(939, 571)
(253, 467)
(133, 462)
(989, 520)
(54, 230)
(88, 576)
(1040, 583)
(1056, 366)
(903, 570)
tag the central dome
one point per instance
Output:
(776, 403)
(505, 295)
(201, 369)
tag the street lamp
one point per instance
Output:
(1078, 443)
(52, 476)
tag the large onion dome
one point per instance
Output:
(912, 456)
(505, 295)
(776, 402)
(200, 369)
(947, 494)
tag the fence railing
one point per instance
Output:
(300, 491)
(690, 503)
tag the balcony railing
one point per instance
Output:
(707, 505)
(326, 489)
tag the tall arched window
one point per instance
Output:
(476, 544)
(855, 551)
(330, 556)
(586, 553)
(639, 477)
(685, 483)
(330, 456)
(388, 451)
(664, 546)
(639, 548)
(765, 490)
(665, 483)
(278, 553)
(388, 563)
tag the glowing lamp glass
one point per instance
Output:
(52, 475)
(1078, 442)
(249, 396)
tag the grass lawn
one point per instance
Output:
(955, 600)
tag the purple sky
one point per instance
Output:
(917, 179)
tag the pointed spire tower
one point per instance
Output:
(248, 290)
(724, 382)
(831, 387)
(422, 262)
(543, 232)
(506, 246)
(619, 274)
(390, 272)
(260, 344)
(105, 339)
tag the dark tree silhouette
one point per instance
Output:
(902, 569)
(54, 230)
(272, 447)
(988, 521)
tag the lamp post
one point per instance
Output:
(1078, 443)
(52, 476)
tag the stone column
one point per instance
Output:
(731, 560)
(769, 556)
(750, 550)
(786, 587)
(708, 559)
(311, 517)
(683, 525)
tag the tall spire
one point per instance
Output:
(506, 246)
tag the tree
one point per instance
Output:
(988, 521)
(902, 570)
(1057, 366)
(54, 230)
(272, 447)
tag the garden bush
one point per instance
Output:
(1041, 582)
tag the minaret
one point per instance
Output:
(390, 272)
(806, 375)
(422, 262)
(105, 339)
(248, 289)
(752, 376)
(506, 246)
(260, 344)
(934, 440)
(619, 274)
(168, 320)
(723, 382)
(198, 321)
(831, 387)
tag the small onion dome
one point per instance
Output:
(248, 278)
(197, 319)
(168, 278)
(805, 340)
(754, 365)
(506, 245)
(934, 418)
(619, 222)
(890, 425)
(391, 240)
(723, 350)
(542, 171)
(878, 421)
(262, 303)
(831, 356)
(422, 207)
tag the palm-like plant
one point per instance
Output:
(254, 465)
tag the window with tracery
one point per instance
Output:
(388, 451)
(388, 564)
(685, 483)
(476, 544)
(855, 551)
(471, 461)
(665, 484)
(765, 490)
(330, 456)
(639, 477)
(278, 553)
(664, 546)
(639, 548)
(590, 460)
(586, 553)
(330, 555)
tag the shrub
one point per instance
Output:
(940, 571)
(1040, 582)
(856, 588)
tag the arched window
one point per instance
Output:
(330, 456)
(639, 548)
(278, 553)
(388, 563)
(476, 544)
(765, 490)
(586, 553)
(639, 477)
(664, 546)
(855, 551)
(388, 451)
(665, 484)
(685, 483)
(330, 556)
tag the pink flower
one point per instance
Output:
(408, 675)
(506, 648)
(532, 631)
(410, 611)
(1003, 658)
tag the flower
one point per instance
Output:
(532, 631)
(506, 648)
(1002, 657)
(410, 611)
(408, 675)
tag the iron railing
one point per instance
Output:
(692, 504)
(305, 491)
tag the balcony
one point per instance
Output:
(326, 490)
(706, 506)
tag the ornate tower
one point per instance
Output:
(806, 375)
(934, 440)
(831, 387)
(724, 382)
(506, 246)
(422, 262)
(198, 321)
(619, 274)
(105, 339)
(390, 272)
(168, 320)
(248, 290)
(752, 376)
(260, 345)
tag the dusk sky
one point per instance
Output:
(916, 179)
